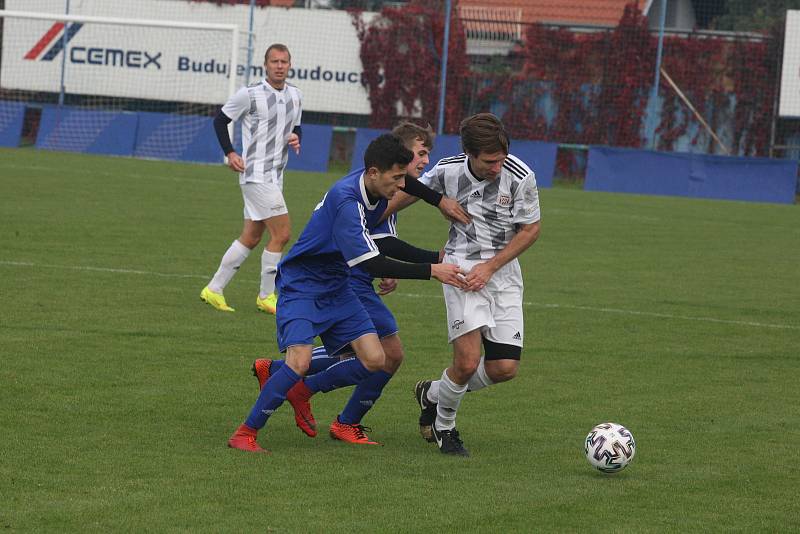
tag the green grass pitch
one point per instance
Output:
(677, 318)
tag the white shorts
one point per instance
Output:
(496, 309)
(262, 201)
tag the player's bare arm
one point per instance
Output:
(480, 274)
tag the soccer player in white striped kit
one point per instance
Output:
(270, 111)
(499, 193)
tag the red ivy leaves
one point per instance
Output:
(401, 52)
(573, 87)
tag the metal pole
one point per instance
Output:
(63, 57)
(661, 24)
(443, 75)
(250, 44)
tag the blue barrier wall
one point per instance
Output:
(94, 132)
(177, 137)
(541, 157)
(11, 117)
(315, 149)
(364, 137)
(621, 170)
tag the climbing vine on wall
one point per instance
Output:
(576, 87)
(401, 53)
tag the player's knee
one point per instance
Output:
(501, 370)
(465, 369)
(393, 361)
(373, 361)
(281, 237)
(249, 239)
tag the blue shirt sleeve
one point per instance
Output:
(350, 233)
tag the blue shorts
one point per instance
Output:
(337, 319)
(381, 317)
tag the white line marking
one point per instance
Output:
(100, 269)
(419, 296)
(635, 312)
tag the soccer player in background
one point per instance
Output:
(347, 426)
(270, 111)
(315, 297)
(499, 193)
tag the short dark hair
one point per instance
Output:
(280, 48)
(408, 132)
(484, 133)
(385, 152)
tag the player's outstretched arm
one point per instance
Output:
(400, 201)
(382, 267)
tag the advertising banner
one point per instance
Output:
(180, 65)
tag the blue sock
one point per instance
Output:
(319, 362)
(345, 373)
(364, 397)
(271, 397)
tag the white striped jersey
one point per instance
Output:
(268, 117)
(497, 207)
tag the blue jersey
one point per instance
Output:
(335, 239)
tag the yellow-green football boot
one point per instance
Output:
(215, 299)
(268, 304)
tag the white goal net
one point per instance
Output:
(117, 86)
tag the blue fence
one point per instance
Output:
(648, 172)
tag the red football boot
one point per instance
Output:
(261, 369)
(244, 439)
(299, 397)
(350, 433)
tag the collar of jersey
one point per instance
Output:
(469, 174)
(364, 196)
(268, 86)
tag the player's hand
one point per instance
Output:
(386, 286)
(453, 211)
(450, 274)
(294, 142)
(479, 276)
(441, 256)
(235, 162)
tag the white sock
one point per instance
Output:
(231, 261)
(269, 268)
(450, 395)
(480, 379)
(433, 392)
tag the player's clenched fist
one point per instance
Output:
(235, 162)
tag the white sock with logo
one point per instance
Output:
(450, 395)
(269, 268)
(478, 381)
(231, 261)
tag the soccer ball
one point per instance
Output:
(609, 447)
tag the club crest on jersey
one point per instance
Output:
(504, 200)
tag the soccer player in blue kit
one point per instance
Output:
(347, 426)
(315, 297)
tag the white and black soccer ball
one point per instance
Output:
(609, 447)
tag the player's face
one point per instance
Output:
(487, 166)
(386, 184)
(421, 159)
(277, 67)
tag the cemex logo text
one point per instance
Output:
(60, 34)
